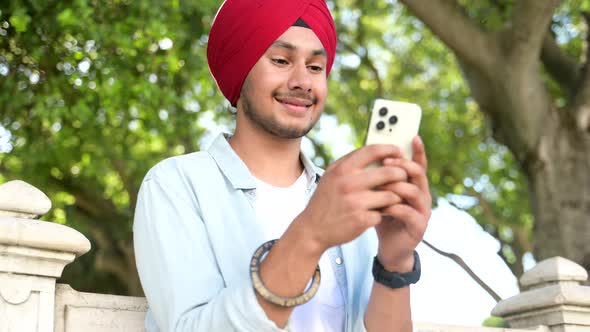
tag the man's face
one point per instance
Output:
(285, 92)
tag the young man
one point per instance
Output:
(200, 217)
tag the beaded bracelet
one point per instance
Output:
(276, 299)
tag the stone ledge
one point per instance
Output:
(31, 261)
(89, 312)
(426, 327)
(546, 297)
(553, 270)
(42, 235)
(561, 315)
(20, 199)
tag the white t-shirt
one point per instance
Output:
(276, 208)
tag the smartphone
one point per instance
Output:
(394, 122)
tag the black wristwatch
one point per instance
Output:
(394, 279)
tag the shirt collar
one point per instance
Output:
(236, 171)
(311, 170)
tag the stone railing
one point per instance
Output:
(33, 254)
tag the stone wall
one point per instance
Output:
(33, 254)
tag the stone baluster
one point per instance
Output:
(552, 296)
(33, 254)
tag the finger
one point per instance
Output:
(416, 173)
(389, 186)
(419, 152)
(376, 200)
(363, 157)
(414, 222)
(373, 178)
(411, 194)
(388, 161)
(371, 218)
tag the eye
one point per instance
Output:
(316, 69)
(280, 61)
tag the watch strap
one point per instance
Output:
(395, 279)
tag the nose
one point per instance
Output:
(300, 78)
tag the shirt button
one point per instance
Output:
(338, 261)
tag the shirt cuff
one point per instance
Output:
(253, 313)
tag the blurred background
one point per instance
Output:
(95, 92)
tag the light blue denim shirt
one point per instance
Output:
(195, 231)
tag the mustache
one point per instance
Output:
(300, 95)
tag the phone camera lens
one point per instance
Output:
(383, 111)
(393, 120)
(380, 125)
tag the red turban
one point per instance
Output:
(244, 29)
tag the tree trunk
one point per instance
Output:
(552, 150)
(559, 182)
(503, 69)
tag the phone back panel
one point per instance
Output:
(394, 122)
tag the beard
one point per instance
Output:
(270, 124)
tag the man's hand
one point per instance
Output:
(345, 204)
(404, 224)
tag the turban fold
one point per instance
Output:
(244, 29)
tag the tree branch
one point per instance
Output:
(479, 86)
(121, 168)
(523, 37)
(116, 266)
(360, 39)
(562, 67)
(516, 245)
(112, 256)
(447, 19)
(96, 207)
(367, 62)
(467, 269)
(581, 102)
(132, 281)
(502, 5)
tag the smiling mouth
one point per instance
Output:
(293, 101)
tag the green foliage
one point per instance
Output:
(20, 20)
(386, 52)
(494, 321)
(96, 92)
